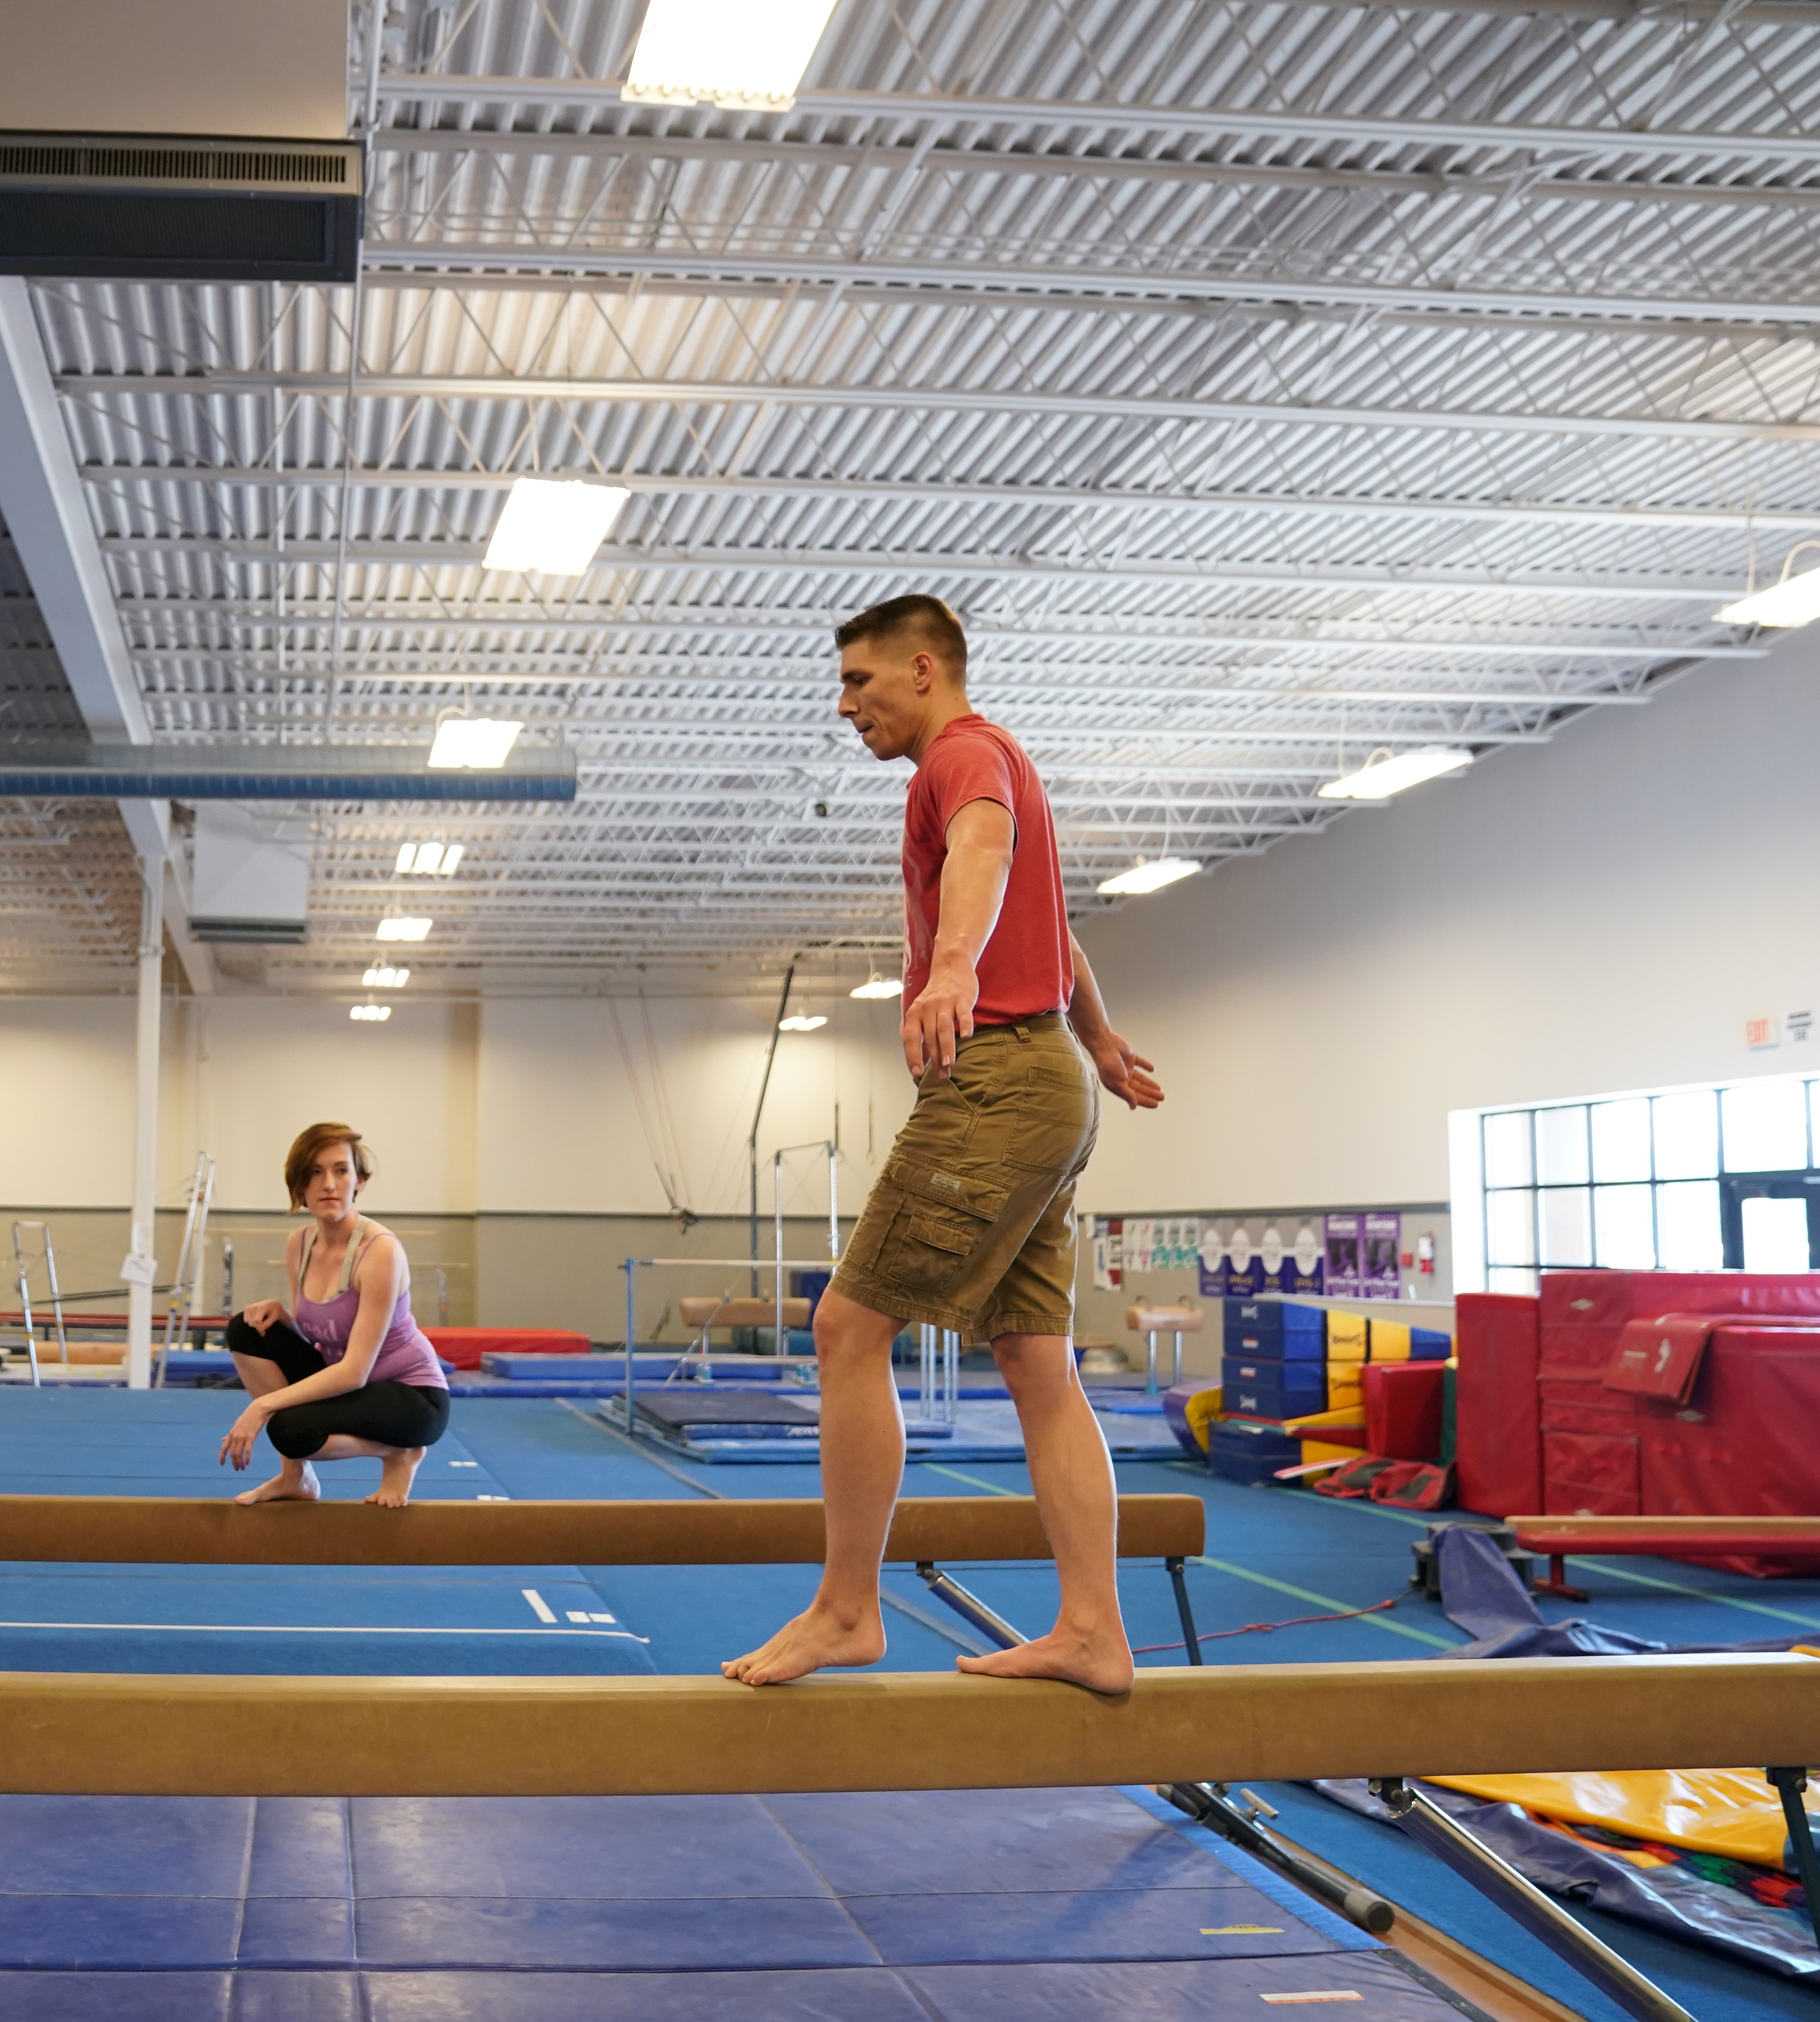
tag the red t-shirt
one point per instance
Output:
(1026, 967)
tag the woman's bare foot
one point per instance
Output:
(1102, 1663)
(811, 1642)
(295, 1482)
(396, 1473)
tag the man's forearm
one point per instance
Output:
(1086, 1008)
(973, 882)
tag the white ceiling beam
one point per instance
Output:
(1106, 285)
(332, 387)
(1036, 496)
(1102, 117)
(988, 633)
(819, 156)
(788, 562)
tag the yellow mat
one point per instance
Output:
(1729, 1812)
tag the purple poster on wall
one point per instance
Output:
(1345, 1278)
(1382, 1274)
(1303, 1264)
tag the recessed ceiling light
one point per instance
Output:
(879, 986)
(386, 978)
(1380, 777)
(476, 743)
(1151, 876)
(553, 525)
(730, 52)
(800, 1023)
(403, 928)
(1795, 600)
(428, 860)
(370, 1014)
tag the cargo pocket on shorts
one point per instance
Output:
(943, 1219)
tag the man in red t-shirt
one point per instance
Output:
(971, 1225)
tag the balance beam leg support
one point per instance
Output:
(1449, 1840)
(1788, 1784)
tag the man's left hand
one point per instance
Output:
(1126, 1072)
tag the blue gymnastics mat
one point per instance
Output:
(966, 1906)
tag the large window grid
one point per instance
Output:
(1631, 1182)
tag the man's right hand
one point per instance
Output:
(261, 1316)
(940, 1018)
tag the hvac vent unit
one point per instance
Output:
(163, 207)
(249, 887)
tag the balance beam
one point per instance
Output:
(1619, 1535)
(152, 1529)
(88, 1733)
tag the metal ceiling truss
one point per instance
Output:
(1266, 383)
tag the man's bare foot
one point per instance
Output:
(1102, 1663)
(292, 1484)
(810, 1642)
(396, 1473)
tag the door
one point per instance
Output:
(1771, 1221)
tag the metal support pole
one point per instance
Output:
(777, 1341)
(951, 1376)
(926, 1372)
(1178, 1580)
(969, 1607)
(145, 1129)
(1788, 1784)
(833, 1198)
(630, 1267)
(1150, 1363)
(1449, 1840)
(783, 998)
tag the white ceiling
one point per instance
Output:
(1264, 384)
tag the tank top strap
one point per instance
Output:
(356, 1243)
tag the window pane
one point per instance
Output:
(1561, 1145)
(1766, 1126)
(1621, 1139)
(1519, 1281)
(1510, 1228)
(1624, 1226)
(1687, 1139)
(1566, 1216)
(1507, 1149)
(1687, 1226)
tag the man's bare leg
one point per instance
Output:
(861, 1469)
(1076, 1498)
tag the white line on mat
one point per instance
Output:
(539, 1607)
(313, 1629)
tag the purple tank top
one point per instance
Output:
(405, 1355)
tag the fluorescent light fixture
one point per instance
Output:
(1151, 876)
(1380, 776)
(1794, 601)
(404, 928)
(800, 1023)
(879, 986)
(385, 977)
(428, 860)
(370, 1014)
(748, 55)
(553, 525)
(471, 743)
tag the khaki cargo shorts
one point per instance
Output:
(971, 1224)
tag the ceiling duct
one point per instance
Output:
(250, 885)
(159, 207)
(135, 141)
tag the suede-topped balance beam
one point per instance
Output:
(153, 1530)
(249, 1736)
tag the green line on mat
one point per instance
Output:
(972, 1480)
(1698, 1592)
(1325, 1600)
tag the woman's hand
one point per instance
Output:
(243, 1434)
(261, 1316)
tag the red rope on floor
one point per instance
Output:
(1253, 1628)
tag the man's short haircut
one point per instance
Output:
(310, 1146)
(929, 616)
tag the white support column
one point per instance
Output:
(145, 1130)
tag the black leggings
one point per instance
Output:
(388, 1413)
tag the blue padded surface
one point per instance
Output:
(1233, 1989)
(593, 1848)
(117, 1847)
(952, 1842)
(1004, 1927)
(830, 1996)
(150, 1997)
